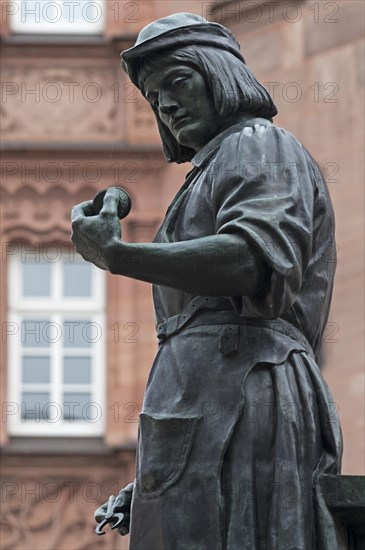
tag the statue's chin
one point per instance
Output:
(188, 137)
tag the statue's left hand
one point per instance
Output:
(93, 234)
(121, 504)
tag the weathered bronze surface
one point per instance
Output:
(238, 424)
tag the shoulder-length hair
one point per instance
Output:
(230, 82)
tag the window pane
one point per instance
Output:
(34, 406)
(77, 370)
(80, 334)
(30, 11)
(77, 279)
(36, 370)
(41, 12)
(58, 16)
(38, 333)
(36, 279)
(77, 406)
(79, 10)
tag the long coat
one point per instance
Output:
(237, 422)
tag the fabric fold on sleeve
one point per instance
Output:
(262, 191)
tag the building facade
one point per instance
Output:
(72, 123)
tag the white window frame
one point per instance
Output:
(55, 308)
(55, 17)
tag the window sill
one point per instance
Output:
(62, 445)
(55, 39)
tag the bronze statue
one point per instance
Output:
(237, 422)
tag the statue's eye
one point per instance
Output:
(176, 82)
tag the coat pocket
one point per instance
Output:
(164, 445)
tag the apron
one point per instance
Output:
(233, 437)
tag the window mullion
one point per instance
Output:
(15, 377)
(57, 368)
(56, 291)
(98, 376)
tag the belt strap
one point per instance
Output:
(201, 303)
(218, 311)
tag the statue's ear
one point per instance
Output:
(173, 151)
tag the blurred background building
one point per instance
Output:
(77, 343)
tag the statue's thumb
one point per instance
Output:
(110, 203)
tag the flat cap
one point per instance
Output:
(176, 31)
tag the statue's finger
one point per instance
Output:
(110, 203)
(81, 210)
(100, 513)
(123, 501)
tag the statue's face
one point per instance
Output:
(184, 105)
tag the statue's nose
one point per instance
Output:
(167, 104)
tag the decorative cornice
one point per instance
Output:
(80, 147)
(54, 39)
(38, 214)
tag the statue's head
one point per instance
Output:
(197, 64)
